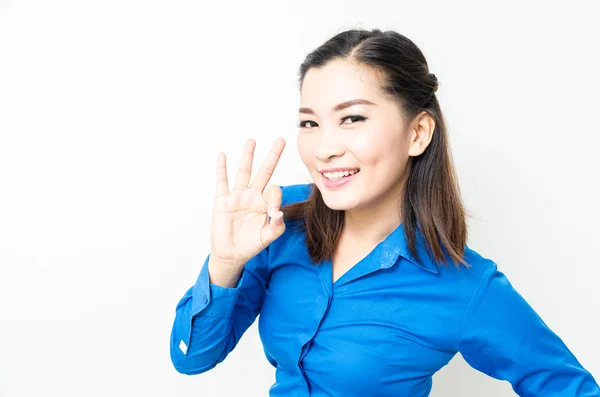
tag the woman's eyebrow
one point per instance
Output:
(341, 106)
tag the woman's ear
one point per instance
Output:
(421, 133)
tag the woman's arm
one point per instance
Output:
(502, 336)
(210, 319)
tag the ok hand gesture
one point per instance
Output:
(240, 226)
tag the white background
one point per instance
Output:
(111, 117)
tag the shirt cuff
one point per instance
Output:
(211, 299)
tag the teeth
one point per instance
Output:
(339, 174)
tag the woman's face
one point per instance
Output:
(370, 137)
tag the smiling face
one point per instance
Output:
(368, 137)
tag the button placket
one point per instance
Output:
(327, 295)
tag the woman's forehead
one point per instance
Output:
(337, 82)
(340, 73)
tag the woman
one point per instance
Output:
(368, 287)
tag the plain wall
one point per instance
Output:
(111, 117)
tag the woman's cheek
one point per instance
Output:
(304, 150)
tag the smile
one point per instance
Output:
(336, 175)
(336, 179)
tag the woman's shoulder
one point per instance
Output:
(470, 276)
(478, 262)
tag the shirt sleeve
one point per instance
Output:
(210, 319)
(503, 337)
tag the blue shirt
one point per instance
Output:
(382, 329)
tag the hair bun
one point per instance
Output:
(435, 82)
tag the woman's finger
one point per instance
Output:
(273, 230)
(272, 197)
(266, 170)
(245, 170)
(222, 182)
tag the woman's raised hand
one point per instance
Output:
(240, 226)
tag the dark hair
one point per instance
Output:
(431, 202)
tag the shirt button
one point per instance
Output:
(204, 298)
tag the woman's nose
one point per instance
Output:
(328, 146)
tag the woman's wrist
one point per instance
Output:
(222, 274)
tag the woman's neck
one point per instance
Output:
(372, 225)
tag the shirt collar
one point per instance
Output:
(396, 244)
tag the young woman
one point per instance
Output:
(368, 287)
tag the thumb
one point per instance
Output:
(273, 230)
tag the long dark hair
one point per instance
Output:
(431, 201)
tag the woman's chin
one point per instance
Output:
(340, 203)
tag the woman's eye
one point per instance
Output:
(354, 118)
(302, 124)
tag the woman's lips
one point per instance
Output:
(330, 184)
